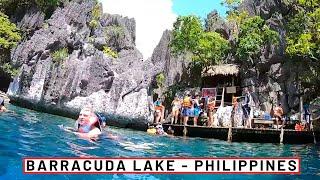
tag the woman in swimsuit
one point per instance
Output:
(176, 105)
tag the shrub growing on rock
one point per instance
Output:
(9, 34)
(160, 79)
(109, 52)
(59, 55)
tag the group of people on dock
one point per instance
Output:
(187, 107)
(205, 111)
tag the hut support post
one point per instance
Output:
(301, 108)
(222, 98)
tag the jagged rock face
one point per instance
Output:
(117, 87)
(276, 80)
(174, 67)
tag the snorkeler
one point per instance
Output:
(2, 108)
(87, 125)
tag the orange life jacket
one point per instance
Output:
(298, 127)
(158, 108)
(186, 102)
(211, 105)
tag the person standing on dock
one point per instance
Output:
(159, 111)
(186, 108)
(278, 112)
(246, 107)
(197, 109)
(176, 106)
(211, 110)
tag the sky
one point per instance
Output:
(155, 16)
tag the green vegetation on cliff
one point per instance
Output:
(59, 55)
(253, 36)
(9, 7)
(207, 48)
(109, 52)
(9, 37)
(9, 33)
(303, 42)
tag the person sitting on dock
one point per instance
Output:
(88, 125)
(278, 112)
(159, 111)
(176, 106)
(2, 107)
(299, 126)
(186, 108)
(211, 110)
(197, 109)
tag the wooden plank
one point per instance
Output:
(260, 121)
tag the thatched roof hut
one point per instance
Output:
(223, 69)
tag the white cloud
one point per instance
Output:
(152, 18)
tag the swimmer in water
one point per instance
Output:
(87, 125)
(2, 107)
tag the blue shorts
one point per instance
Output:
(197, 112)
(187, 112)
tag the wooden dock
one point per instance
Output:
(253, 135)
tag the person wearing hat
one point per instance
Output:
(2, 108)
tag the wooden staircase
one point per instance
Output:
(219, 98)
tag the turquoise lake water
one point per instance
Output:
(26, 133)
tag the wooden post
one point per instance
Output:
(301, 108)
(185, 131)
(233, 86)
(230, 134)
(231, 124)
(281, 135)
(311, 128)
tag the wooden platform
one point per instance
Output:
(245, 134)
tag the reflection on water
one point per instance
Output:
(29, 133)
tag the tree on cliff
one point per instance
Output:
(207, 48)
(9, 37)
(253, 39)
(47, 6)
(303, 41)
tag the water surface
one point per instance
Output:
(26, 133)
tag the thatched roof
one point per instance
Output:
(223, 69)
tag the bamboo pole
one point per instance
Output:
(222, 98)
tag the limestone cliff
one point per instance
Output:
(273, 78)
(86, 74)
